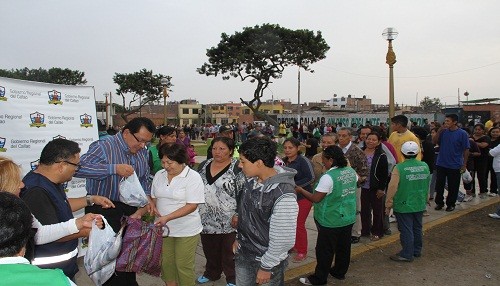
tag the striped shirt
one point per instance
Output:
(99, 166)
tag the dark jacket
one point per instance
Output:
(379, 174)
(305, 173)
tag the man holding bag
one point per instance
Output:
(109, 161)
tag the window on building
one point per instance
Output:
(246, 111)
(334, 100)
(185, 111)
(195, 111)
(229, 108)
(224, 121)
(185, 121)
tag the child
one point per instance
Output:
(407, 195)
(267, 215)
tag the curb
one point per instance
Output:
(297, 272)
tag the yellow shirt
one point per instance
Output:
(398, 139)
(282, 129)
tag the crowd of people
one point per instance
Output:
(246, 203)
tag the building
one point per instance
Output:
(189, 111)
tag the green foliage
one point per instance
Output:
(144, 86)
(261, 54)
(53, 75)
(428, 104)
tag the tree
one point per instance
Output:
(428, 104)
(53, 75)
(144, 86)
(261, 54)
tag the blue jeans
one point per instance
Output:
(410, 234)
(247, 267)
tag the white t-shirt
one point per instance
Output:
(187, 187)
(325, 184)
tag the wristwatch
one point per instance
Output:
(90, 202)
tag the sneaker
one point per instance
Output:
(494, 215)
(305, 281)
(388, 231)
(354, 239)
(230, 284)
(492, 194)
(483, 195)
(468, 198)
(392, 218)
(398, 258)
(202, 280)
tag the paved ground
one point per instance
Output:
(445, 247)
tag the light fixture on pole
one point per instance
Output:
(164, 83)
(466, 94)
(390, 34)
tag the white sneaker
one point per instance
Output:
(468, 198)
(494, 215)
(492, 194)
(392, 218)
(304, 281)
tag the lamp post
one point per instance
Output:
(390, 34)
(466, 94)
(164, 83)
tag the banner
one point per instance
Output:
(34, 113)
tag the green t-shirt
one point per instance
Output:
(413, 186)
(27, 274)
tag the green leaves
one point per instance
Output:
(53, 75)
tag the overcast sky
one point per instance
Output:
(442, 45)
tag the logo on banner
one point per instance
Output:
(86, 121)
(34, 164)
(2, 94)
(65, 187)
(58, 137)
(37, 120)
(55, 97)
(2, 145)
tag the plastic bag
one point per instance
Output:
(466, 177)
(103, 249)
(131, 192)
(141, 248)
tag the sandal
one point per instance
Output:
(375, 238)
(299, 257)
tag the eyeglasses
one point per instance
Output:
(140, 141)
(77, 166)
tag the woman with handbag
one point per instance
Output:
(176, 191)
(223, 182)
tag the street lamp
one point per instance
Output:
(164, 83)
(466, 94)
(390, 34)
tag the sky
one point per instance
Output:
(443, 49)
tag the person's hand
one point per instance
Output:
(263, 276)
(161, 221)
(298, 190)
(124, 170)
(380, 194)
(86, 221)
(104, 202)
(463, 168)
(387, 211)
(84, 232)
(139, 213)
(151, 208)
(234, 221)
(236, 245)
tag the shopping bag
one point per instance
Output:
(466, 177)
(103, 249)
(131, 192)
(141, 248)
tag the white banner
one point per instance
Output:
(34, 113)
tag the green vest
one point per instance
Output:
(27, 274)
(156, 159)
(411, 195)
(338, 208)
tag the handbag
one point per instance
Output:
(103, 249)
(141, 248)
(131, 192)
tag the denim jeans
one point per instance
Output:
(410, 234)
(247, 267)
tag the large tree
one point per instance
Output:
(53, 75)
(144, 86)
(261, 54)
(428, 104)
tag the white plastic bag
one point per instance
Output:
(132, 193)
(466, 177)
(103, 249)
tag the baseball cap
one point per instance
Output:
(410, 148)
(225, 128)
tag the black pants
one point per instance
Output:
(332, 242)
(453, 177)
(481, 167)
(218, 250)
(114, 216)
(493, 179)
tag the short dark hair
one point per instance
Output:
(452, 116)
(420, 132)
(15, 225)
(175, 152)
(335, 153)
(259, 148)
(58, 150)
(227, 141)
(135, 125)
(380, 131)
(400, 119)
(165, 130)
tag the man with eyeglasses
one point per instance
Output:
(106, 163)
(44, 194)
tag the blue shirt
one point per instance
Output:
(452, 145)
(99, 166)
